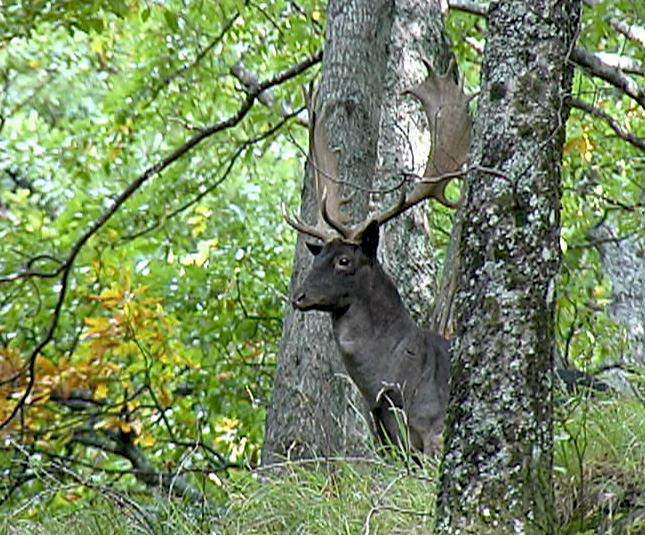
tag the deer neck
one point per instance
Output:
(377, 318)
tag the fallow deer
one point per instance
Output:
(401, 370)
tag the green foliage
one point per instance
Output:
(169, 326)
(171, 320)
(599, 466)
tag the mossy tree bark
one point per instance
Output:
(497, 467)
(373, 52)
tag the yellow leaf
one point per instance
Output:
(588, 146)
(213, 477)
(582, 145)
(125, 426)
(109, 298)
(199, 227)
(225, 375)
(112, 422)
(165, 397)
(227, 425)
(599, 291)
(101, 391)
(136, 427)
(203, 211)
(46, 365)
(97, 325)
(146, 441)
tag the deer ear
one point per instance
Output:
(369, 241)
(314, 248)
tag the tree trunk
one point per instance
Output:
(622, 262)
(497, 467)
(406, 244)
(316, 410)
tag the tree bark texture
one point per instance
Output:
(316, 411)
(404, 144)
(497, 469)
(622, 260)
(373, 53)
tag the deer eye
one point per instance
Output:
(344, 262)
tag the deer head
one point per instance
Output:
(446, 107)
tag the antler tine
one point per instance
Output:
(446, 107)
(355, 233)
(419, 193)
(298, 224)
(447, 110)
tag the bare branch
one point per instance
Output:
(66, 266)
(613, 123)
(143, 470)
(593, 64)
(619, 61)
(469, 6)
(631, 31)
(250, 80)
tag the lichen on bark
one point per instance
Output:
(496, 471)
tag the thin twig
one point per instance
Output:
(66, 266)
(594, 65)
(613, 123)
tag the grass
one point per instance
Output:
(341, 496)
(600, 467)
(599, 480)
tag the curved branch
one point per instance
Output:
(250, 80)
(469, 6)
(621, 62)
(229, 167)
(613, 123)
(593, 64)
(631, 31)
(66, 266)
(143, 470)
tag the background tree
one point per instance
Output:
(373, 53)
(145, 149)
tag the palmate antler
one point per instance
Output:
(446, 107)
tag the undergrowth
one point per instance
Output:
(599, 480)
(600, 466)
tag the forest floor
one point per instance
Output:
(599, 478)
